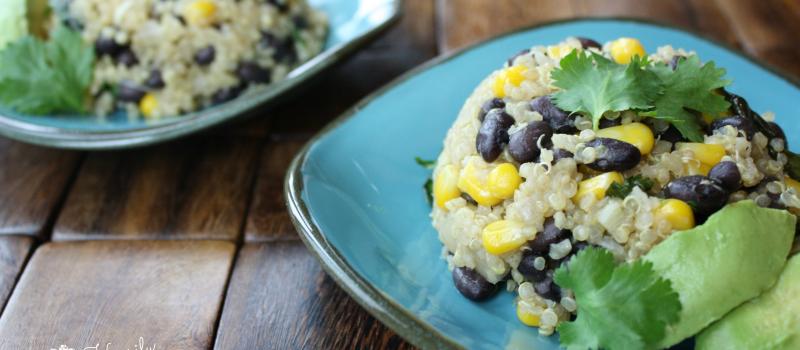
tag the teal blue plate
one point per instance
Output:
(355, 192)
(352, 24)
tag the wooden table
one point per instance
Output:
(187, 245)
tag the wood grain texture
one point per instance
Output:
(461, 27)
(33, 181)
(86, 293)
(192, 189)
(407, 44)
(268, 219)
(768, 29)
(279, 298)
(14, 252)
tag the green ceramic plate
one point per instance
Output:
(352, 24)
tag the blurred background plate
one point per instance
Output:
(352, 24)
(355, 192)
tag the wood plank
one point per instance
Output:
(191, 189)
(768, 29)
(33, 181)
(461, 27)
(280, 298)
(14, 252)
(268, 219)
(465, 22)
(407, 44)
(81, 294)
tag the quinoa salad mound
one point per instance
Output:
(586, 145)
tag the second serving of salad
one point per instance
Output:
(630, 200)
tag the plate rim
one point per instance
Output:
(63, 138)
(380, 306)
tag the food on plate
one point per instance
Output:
(157, 59)
(13, 21)
(625, 197)
(771, 321)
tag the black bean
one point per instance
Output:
(130, 92)
(512, 58)
(127, 58)
(727, 175)
(490, 105)
(526, 267)
(154, 80)
(578, 246)
(559, 154)
(547, 288)
(106, 46)
(777, 130)
(300, 22)
(468, 198)
(283, 49)
(253, 73)
(613, 155)
(226, 94)
(671, 134)
(523, 145)
(281, 5)
(205, 55)
(740, 123)
(551, 234)
(673, 63)
(589, 43)
(493, 134)
(703, 194)
(738, 104)
(471, 284)
(560, 121)
(607, 123)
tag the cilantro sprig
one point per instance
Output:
(593, 85)
(428, 185)
(625, 306)
(41, 77)
(624, 189)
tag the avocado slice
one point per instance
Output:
(736, 255)
(771, 321)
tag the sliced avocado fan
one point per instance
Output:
(735, 256)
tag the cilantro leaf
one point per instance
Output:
(690, 86)
(623, 190)
(595, 85)
(428, 186)
(619, 307)
(38, 77)
(427, 164)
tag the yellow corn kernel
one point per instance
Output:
(470, 183)
(677, 213)
(513, 75)
(624, 49)
(597, 185)
(708, 154)
(445, 185)
(636, 134)
(502, 236)
(792, 183)
(527, 317)
(558, 51)
(503, 181)
(148, 105)
(697, 167)
(201, 12)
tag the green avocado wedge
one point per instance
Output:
(736, 255)
(771, 321)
